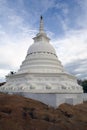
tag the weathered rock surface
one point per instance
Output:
(19, 113)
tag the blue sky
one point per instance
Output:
(65, 22)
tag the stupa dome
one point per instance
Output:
(41, 47)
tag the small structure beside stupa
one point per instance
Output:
(42, 76)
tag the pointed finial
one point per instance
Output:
(41, 29)
(41, 17)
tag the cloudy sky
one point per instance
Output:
(65, 22)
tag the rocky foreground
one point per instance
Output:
(19, 113)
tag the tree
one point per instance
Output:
(84, 85)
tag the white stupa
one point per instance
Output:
(42, 77)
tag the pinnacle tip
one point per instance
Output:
(41, 17)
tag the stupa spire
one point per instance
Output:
(41, 29)
(41, 32)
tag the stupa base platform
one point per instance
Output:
(53, 99)
(42, 83)
(51, 89)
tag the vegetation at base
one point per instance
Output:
(2, 83)
(83, 83)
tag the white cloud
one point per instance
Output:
(73, 48)
(15, 39)
(62, 6)
(15, 20)
(82, 16)
(10, 51)
(13, 48)
(3, 73)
